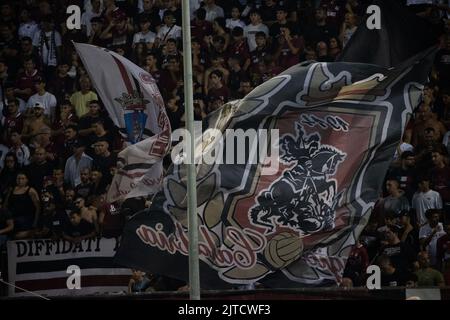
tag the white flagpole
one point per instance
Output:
(194, 272)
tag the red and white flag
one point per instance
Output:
(135, 105)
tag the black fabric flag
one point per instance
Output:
(401, 36)
(338, 127)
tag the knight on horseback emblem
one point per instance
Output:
(304, 198)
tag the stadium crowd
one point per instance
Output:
(58, 146)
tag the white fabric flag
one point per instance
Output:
(135, 105)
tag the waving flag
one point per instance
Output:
(402, 34)
(339, 124)
(136, 107)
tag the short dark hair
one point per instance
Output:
(237, 31)
(200, 13)
(430, 212)
(217, 73)
(260, 34)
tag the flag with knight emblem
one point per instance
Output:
(338, 127)
(135, 105)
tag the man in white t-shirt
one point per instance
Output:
(430, 233)
(253, 27)
(212, 10)
(43, 99)
(145, 36)
(28, 26)
(425, 199)
(169, 29)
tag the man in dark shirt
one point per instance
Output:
(174, 112)
(84, 189)
(217, 90)
(391, 276)
(39, 169)
(401, 254)
(321, 30)
(104, 160)
(406, 174)
(85, 129)
(282, 22)
(78, 229)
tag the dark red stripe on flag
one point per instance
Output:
(124, 73)
(86, 281)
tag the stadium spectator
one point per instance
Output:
(401, 254)
(425, 199)
(19, 149)
(78, 229)
(426, 275)
(83, 97)
(78, 161)
(23, 202)
(430, 233)
(391, 276)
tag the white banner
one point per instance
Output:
(135, 105)
(42, 266)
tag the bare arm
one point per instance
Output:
(9, 227)
(37, 204)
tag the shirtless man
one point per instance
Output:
(426, 119)
(87, 213)
(35, 122)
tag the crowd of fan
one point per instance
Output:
(58, 145)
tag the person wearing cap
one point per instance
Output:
(74, 164)
(44, 99)
(34, 121)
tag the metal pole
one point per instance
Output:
(194, 273)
